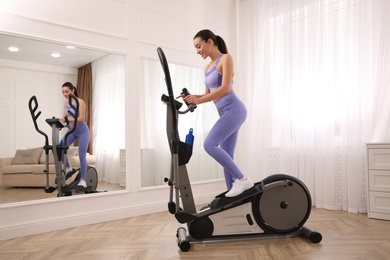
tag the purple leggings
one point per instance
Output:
(222, 138)
(82, 134)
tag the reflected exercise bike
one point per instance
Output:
(277, 206)
(59, 151)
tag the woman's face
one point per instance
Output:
(202, 47)
(66, 91)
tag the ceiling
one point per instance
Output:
(40, 52)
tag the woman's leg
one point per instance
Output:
(227, 126)
(83, 147)
(229, 146)
(221, 142)
(71, 139)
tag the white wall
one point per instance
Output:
(19, 81)
(135, 29)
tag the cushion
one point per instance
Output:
(28, 156)
(72, 151)
(22, 169)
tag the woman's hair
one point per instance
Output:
(71, 87)
(218, 41)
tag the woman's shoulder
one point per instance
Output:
(226, 56)
(80, 100)
(226, 60)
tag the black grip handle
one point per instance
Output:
(185, 92)
(33, 107)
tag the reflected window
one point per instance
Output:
(155, 154)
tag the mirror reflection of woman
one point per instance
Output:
(81, 133)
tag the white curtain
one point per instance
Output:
(155, 156)
(108, 109)
(308, 71)
(381, 130)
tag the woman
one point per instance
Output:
(221, 141)
(81, 133)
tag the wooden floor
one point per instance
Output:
(345, 236)
(9, 195)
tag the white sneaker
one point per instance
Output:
(82, 183)
(239, 186)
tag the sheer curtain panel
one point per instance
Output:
(307, 70)
(108, 74)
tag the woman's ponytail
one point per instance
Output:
(218, 41)
(221, 44)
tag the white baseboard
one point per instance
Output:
(55, 224)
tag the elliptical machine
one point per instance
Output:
(60, 153)
(277, 206)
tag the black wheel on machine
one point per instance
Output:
(183, 242)
(283, 208)
(184, 246)
(315, 237)
(92, 178)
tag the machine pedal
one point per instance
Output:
(184, 217)
(221, 201)
(50, 189)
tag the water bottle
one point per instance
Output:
(190, 137)
(61, 142)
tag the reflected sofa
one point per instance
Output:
(26, 168)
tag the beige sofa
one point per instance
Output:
(26, 168)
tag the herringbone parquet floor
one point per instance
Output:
(345, 236)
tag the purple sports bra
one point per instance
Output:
(67, 107)
(213, 77)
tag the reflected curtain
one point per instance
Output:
(108, 111)
(307, 73)
(84, 89)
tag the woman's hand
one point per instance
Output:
(190, 99)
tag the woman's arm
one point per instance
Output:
(206, 91)
(64, 113)
(81, 117)
(226, 67)
(196, 95)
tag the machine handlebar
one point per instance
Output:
(172, 101)
(33, 106)
(191, 107)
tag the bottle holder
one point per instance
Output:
(185, 153)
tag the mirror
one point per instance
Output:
(155, 155)
(30, 70)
